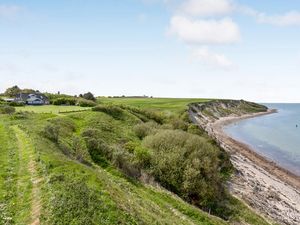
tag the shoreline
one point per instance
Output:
(272, 167)
(268, 188)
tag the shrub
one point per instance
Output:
(145, 114)
(79, 149)
(189, 165)
(130, 146)
(99, 151)
(20, 115)
(65, 124)
(6, 109)
(16, 104)
(179, 124)
(88, 96)
(86, 103)
(64, 101)
(142, 157)
(51, 132)
(144, 129)
(114, 111)
(195, 129)
(122, 160)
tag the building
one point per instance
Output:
(32, 99)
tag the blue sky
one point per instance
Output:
(166, 48)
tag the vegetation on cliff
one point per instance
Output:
(107, 166)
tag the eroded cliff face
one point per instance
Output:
(208, 112)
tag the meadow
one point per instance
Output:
(167, 105)
(51, 109)
(118, 163)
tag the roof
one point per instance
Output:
(25, 96)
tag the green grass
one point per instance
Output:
(9, 167)
(167, 105)
(76, 193)
(24, 183)
(50, 109)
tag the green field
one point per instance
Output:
(168, 105)
(85, 167)
(50, 109)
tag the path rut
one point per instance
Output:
(27, 149)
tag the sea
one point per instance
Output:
(275, 136)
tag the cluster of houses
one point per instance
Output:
(30, 99)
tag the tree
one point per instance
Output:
(13, 91)
(29, 91)
(89, 96)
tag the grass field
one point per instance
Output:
(94, 191)
(51, 109)
(168, 105)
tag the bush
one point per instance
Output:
(179, 124)
(144, 129)
(52, 132)
(16, 104)
(66, 125)
(145, 114)
(6, 109)
(86, 103)
(195, 129)
(88, 96)
(142, 157)
(64, 101)
(20, 115)
(114, 111)
(122, 160)
(80, 150)
(99, 151)
(189, 165)
(130, 146)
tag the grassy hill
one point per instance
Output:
(104, 166)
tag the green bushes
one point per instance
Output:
(86, 103)
(51, 132)
(64, 101)
(16, 104)
(99, 151)
(114, 111)
(145, 114)
(5, 109)
(190, 166)
(79, 150)
(144, 129)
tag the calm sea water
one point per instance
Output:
(276, 136)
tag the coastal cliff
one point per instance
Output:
(208, 112)
(267, 188)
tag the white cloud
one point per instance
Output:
(223, 31)
(205, 56)
(206, 7)
(288, 19)
(9, 11)
(291, 18)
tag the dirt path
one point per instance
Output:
(29, 167)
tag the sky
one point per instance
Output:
(238, 49)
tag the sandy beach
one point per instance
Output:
(269, 189)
